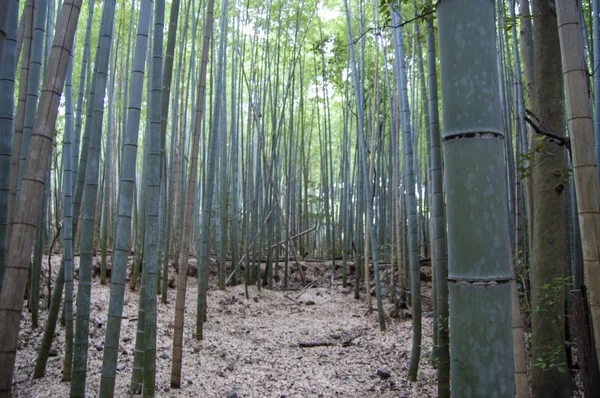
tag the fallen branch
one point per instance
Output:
(347, 340)
(314, 260)
(308, 344)
(14, 383)
(294, 237)
(292, 299)
(306, 288)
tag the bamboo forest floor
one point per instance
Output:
(252, 346)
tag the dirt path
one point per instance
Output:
(252, 346)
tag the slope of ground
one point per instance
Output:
(251, 346)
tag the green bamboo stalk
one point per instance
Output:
(89, 206)
(409, 184)
(27, 21)
(151, 239)
(181, 283)
(363, 162)
(439, 222)
(33, 84)
(124, 205)
(106, 213)
(479, 252)
(7, 104)
(67, 263)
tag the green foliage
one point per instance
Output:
(549, 359)
(508, 23)
(551, 354)
(565, 176)
(522, 275)
(525, 165)
(553, 293)
(428, 351)
(441, 321)
(523, 168)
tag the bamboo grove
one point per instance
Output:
(251, 135)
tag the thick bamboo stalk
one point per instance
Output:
(480, 275)
(151, 239)
(24, 227)
(125, 205)
(584, 161)
(7, 86)
(440, 247)
(27, 19)
(33, 82)
(89, 201)
(596, 78)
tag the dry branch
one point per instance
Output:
(540, 129)
(308, 344)
(294, 237)
(313, 283)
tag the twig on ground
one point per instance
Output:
(308, 344)
(313, 283)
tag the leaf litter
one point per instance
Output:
(312, 340)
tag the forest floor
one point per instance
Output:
(251, 345)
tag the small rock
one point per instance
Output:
(98, 347)
(126, 339)
(256, 301)
(192, 271)
(233, 394)
(384, 373)
(125, 352)
(230, 367)
(283, 396)
(309, 302)
(401, 340)
(120, 367)
(171, 282)
(164, 355)
(190, 382)
(53, 353)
